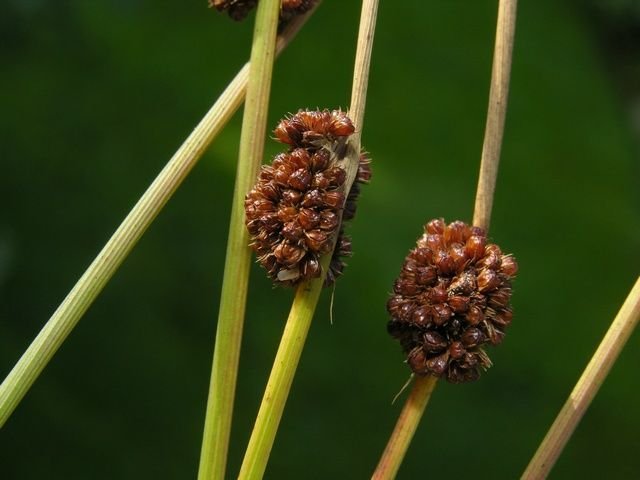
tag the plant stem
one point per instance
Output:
(498, 95)
(405, 428)
(107, 262)
(307, 294)
(275, 396)
(586, 388)
(226, 355)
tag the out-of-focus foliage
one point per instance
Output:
(96, 96)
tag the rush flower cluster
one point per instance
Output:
(296, 208)
(238, 9)
(452, 297)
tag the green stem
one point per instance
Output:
(217, 426)
(98, 274)
(307, 295)
(405, 428)
(279, 385)
(587, 387)
(89, 286)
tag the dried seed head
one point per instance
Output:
(239, 9)
(451, 298)
(293, 212)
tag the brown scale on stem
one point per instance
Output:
(296, 208)
(451, 298)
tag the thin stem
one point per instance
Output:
(104, 266)
(405, 428)
(498, 95)
(586, 388)
(307, 295)
(226, 355)
(366, 31)
(281, 378)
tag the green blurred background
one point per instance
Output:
(96, 97)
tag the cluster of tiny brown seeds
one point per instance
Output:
(238, 9)
(294, 211)
(451, 298)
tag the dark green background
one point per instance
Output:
(95, 96)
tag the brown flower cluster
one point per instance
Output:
(451, 298)
(296, 208)
(239, 9)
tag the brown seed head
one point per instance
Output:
(239, 9)
(451, 298)
(293, 212)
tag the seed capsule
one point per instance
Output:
(456, 232)
(475, 315)
(474, 247)
(434, 342)
(488, 280)
(435, 227)
(287, 254)
(456, 350)
(417, 361)
(437, 365)
(459, 303)
(333, 199)
(472, 337)
(437, 295)
(509, 266)
(300, 179)
(328, 220)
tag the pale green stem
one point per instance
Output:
(494, 132)
(307, 295)
(279, 385)
(405, 428)
(89, 286)
(586, 388)
(226, 355)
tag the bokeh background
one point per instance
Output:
(96, 97)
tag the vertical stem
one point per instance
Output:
(498, 96)
(217, 426)
(125, 238)
(405, 428)
(587, 387)
(307, 295)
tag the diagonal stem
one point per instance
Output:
(125, 238)
(586, 388)
(307, 294)
(226, 355)
(411, 414)
(405, 428)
